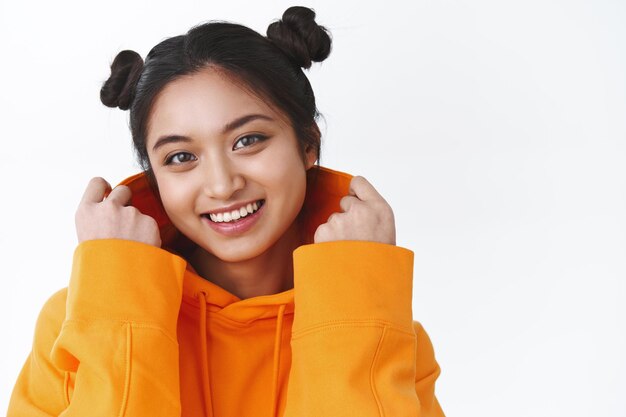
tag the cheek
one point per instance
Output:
(289, 179)
(176, 198)
(287, 174)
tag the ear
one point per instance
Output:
(310, 153)
(310, 156)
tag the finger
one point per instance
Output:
(335, 216)
(95, 191)
(347, 201)
(120, 195)
(363, 190)
(321, 234)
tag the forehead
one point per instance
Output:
(203, 102)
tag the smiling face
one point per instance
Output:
(214, 148)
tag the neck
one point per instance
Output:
(269, 273)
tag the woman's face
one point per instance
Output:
(214, 148)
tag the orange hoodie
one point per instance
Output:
(139, 333)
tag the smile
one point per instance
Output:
(234, 215)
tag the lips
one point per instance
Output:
(235, 215)
(236, 227)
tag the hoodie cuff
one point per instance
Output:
(343, 281)
(125, 280)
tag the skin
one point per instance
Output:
(215, 168)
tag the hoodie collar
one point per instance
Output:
(325, 188)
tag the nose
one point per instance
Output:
(222, 179)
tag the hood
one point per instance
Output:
(325, 188)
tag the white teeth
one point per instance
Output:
(243, 211)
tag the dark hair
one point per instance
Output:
(270, 67)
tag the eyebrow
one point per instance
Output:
(230, 126)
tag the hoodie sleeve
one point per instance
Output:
(107, 345)
(355, 348)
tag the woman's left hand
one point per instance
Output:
(365, 216)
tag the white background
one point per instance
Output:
(496, 130)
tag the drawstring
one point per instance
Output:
(206, 385)
(277, 346)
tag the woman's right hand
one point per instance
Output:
(98, 217)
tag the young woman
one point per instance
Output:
(232, 276)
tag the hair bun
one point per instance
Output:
(300, 37)
(119, 89)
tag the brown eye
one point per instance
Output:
(249, 141)
(179, 158)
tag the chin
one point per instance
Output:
(238, 253)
